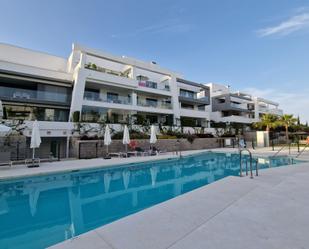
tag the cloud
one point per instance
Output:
(295, 23)
(174, 26)
(295, 103)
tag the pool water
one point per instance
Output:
(41, 211)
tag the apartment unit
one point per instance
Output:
(35, 85)
(264, 106)
(238, 107)
(120, 90)
(194, 98)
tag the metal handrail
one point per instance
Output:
(281, 149)
(251, 159)
(302, 151)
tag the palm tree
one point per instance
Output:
(287, 120)
(269, 121)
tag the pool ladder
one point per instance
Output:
(241, 150)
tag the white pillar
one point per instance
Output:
(78, 92)
(175, 101)
(134, 98)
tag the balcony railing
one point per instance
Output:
(19, 94)
(119, 100)
(153, 104)
(240, 106)
(154, 85)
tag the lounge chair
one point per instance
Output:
(32, 162)
(5, 159)
(157, 151)
(116, 154)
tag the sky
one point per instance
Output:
(261, 47)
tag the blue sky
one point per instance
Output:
(258, 46)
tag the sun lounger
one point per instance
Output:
(117, 154)
(5, 159)
(32, 162)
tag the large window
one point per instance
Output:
(151, 102)
(187, 94)
(187, 106)
(36, 113)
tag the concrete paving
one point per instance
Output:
(269, 211)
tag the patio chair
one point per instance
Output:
(5, 159)
(157, 151)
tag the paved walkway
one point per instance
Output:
(18, 171)
(269, 211)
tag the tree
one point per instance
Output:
(268, 121)
(287, 120)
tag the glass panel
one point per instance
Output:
(20, 94)
(33, 113)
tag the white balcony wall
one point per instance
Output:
(50, 129)
(194, 113)
(32, 58)
(108, 64)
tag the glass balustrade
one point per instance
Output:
(20, 94)
(154, 104)
(154, 85)
(115, 100)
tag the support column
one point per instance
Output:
(175, 101)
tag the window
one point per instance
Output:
(187, 106)
(92, 94)
(187, 94)
(33, 113)
(112, 97)
(152, 102)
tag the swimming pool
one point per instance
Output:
(41, 211)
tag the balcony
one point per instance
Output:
(274, 111)
(242, 106)
(154, 85)
(191, 97)
(186, 112)
(94, 67)
(154, 104)
(27, 95)
(124, 100)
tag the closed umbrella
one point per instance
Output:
(1, 109)
(107, 137)
(153, 135)
(126, 137)
(35, 137)
(4, 130)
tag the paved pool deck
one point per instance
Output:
(269, 211)
(19, 171)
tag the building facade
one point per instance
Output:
(99, 87)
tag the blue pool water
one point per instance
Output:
(41, 211)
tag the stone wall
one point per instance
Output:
(96, 148)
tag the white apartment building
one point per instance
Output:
(115, 89)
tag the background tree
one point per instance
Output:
(287, 120)
(268, 121)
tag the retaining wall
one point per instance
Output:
(96, 148)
